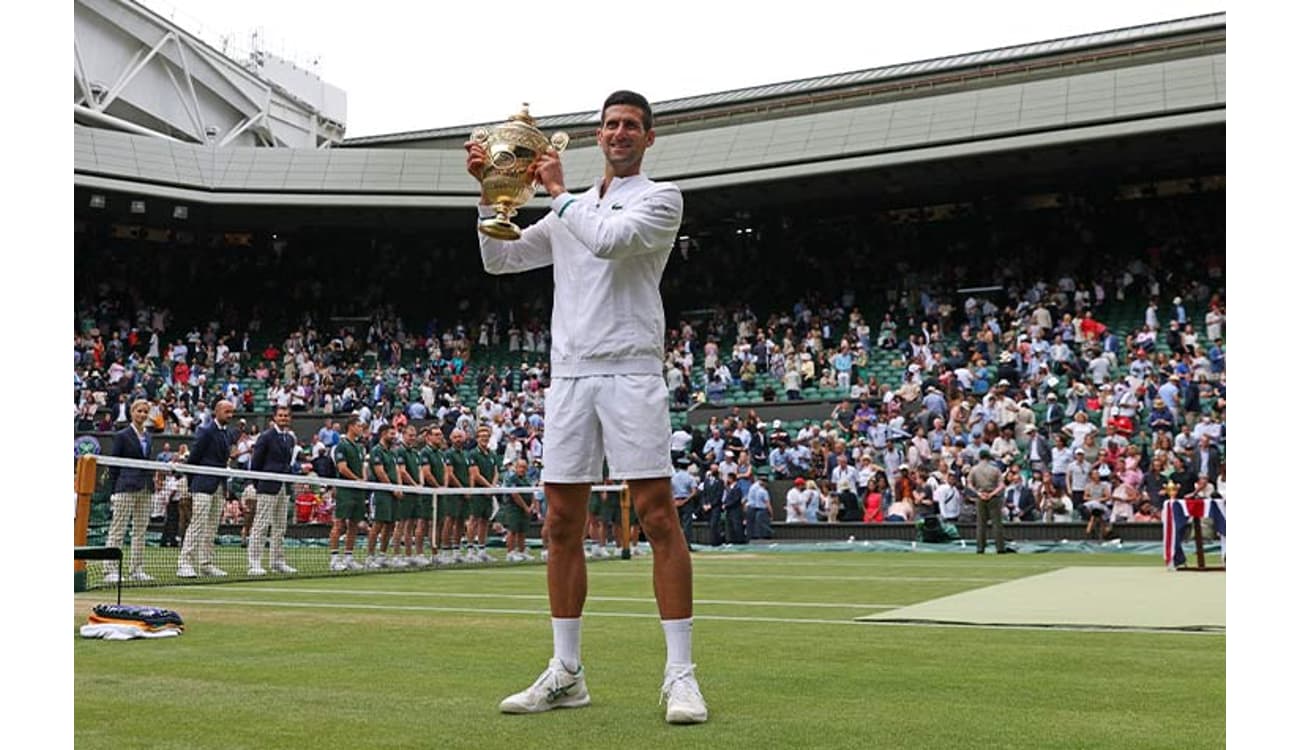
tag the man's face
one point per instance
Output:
(408, 436)
(623, 137)
(281, 418)
(483, 436)
(521, 468)
(386, 438)
(223, 411)
(354, 430)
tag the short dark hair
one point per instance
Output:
(631, 98)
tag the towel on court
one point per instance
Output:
(121, 631)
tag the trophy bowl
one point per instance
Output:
(511, 148)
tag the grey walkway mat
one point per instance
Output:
(1143, 598)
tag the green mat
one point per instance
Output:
(1142, 598)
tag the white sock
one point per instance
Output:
(677, 634)
(567, 635)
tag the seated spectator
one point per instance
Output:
(1054, 503)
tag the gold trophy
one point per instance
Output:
(511, 148)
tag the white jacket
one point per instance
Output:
(608, 256)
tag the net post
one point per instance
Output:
(625, 525)
(84, 485)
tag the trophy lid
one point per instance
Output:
(523, 116)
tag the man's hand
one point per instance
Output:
(549, 172)
(475, 159)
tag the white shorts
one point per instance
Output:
(623, 418)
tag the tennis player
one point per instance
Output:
(608, 247)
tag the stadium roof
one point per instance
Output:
(998, 55)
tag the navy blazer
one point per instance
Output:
(127, 445)
(272, 452)
(211, 448)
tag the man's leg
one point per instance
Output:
(187, 562)
(981, 519)
(257, 532)
(563, 684)
(210, 535)
(279, 519)
(566, 567)
(996, 510)
(653, 499)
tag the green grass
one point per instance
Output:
(421, 659)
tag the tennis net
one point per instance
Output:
(180, 524)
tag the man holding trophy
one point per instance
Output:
(608, 246)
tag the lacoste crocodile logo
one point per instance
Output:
(616, 207)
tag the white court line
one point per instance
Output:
(873, 564)
(647, 616)
(771, 576)
(544, 597)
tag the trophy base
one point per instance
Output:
(499, 229)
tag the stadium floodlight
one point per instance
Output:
(137, 207)
(97, 201)
(181, 212)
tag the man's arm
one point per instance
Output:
(646, 226)
(345, 471)
(202, 443)
(532, 250)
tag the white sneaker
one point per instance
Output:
(257, 570)
(185, 571)
(212, 570)
(527, 556)
(394, 562)
(513, 557)
(556, 688)
(352, 564)
(483, 556)
(283, 567)
(546, 554)
(337, 565)
(685, 704)
(140, 575)
(111, 577)
(374, 563)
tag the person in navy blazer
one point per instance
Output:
(211, 447)
(273, 452)
(131, 492)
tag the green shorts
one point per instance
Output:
(593, 505)
(609, 509)
(408, 507)
(350, 507)
(451, 506)
(384, 507)
(480, 506)
(424, 507)
(512, 518)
